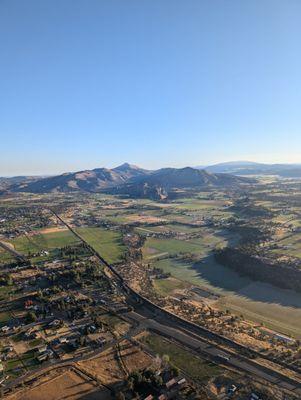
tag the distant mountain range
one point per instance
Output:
(253, 168)
(131, 180)
(127, 180)
(88, 180)
(6, 182)
(159, 184)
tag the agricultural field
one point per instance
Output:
(289, 245)
(35, 242)
(276, 308)
(156, 247)
(69, 382)
(175, 228)
(170, 254)
(107, 243)
(167, 286)
(5, 257)
(195, 204)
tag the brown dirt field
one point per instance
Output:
(52, 229)
(144, 219)
(8, 245)
(20, 347)
(26, 273)
(68, 385)
(105, 367)
(133, 357)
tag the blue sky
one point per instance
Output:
(90, 83)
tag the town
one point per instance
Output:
(81, 276)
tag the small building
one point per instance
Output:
(42, 349)
(170, 383)
(182, 382)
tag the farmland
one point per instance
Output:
(43, 241)
(276, 308)
(202, 245)
(69, 382)
(107, 243)
(165, 250)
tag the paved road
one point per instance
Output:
(158, 322)
(195, 342)
(55, 363)
(12, 251)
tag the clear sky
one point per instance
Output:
(91, 83)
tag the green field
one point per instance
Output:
(291, 245)
(5, 256)
(155, 247)
(107, 243)
(195, 204)
(177, 228)
(195, 367)
(276, 308)
(44, 241)
(166, 286)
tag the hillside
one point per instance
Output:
(130, 180)
(87, 180)
(159, 184)
(7, 182)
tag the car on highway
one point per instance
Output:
(231, 390)
(223, 357)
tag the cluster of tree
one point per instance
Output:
(261, 269)
(31, 317)
(6, 280)
(73, 252)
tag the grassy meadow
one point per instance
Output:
(276, 308)
(108, 243)
(195, 367)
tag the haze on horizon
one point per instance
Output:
(173, 83)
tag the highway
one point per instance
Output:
(152, 317)
(199, 345)
(12, 251)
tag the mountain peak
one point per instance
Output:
(126, 166)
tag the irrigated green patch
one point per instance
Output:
(5, 256)
(44, 241)
(291, 245)
(166, 286)
(202, 245)
(107, 243)
(276, 308)
(194, 204)
(154, 247)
